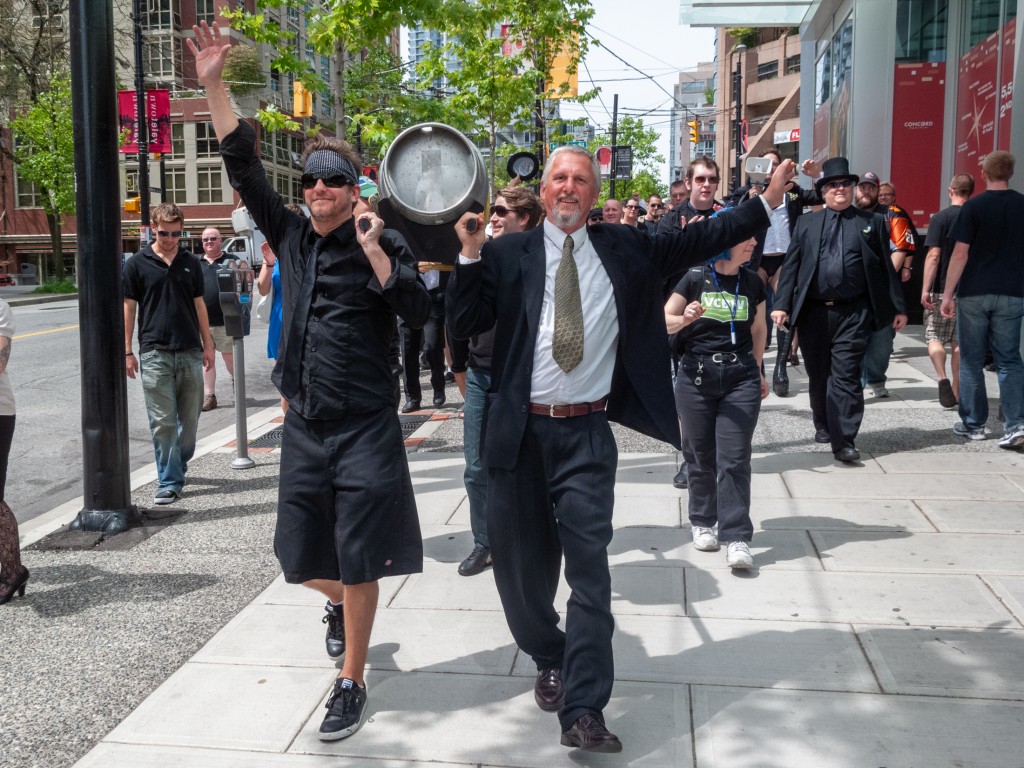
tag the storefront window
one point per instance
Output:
(921, 30)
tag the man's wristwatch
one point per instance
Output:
(129, 354)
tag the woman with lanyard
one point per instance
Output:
(717, 313)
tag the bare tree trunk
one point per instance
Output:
(494, 148)
(57, 245)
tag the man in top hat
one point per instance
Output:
(836, 287)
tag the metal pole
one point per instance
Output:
(739, 116)
(241, 460)
(615, 133)
(141, 119)
(106, 480)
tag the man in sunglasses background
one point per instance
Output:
(702, 178)
(163, 287)
(836, 287)
(212, 260)
(346, 515)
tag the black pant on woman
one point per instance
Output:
(10, 548)
(719, 415)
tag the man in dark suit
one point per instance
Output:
(579, 340)
(837, 288)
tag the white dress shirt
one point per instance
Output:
(592, 378)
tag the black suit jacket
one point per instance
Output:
(505, 289)
(863, 229)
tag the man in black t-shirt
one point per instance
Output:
(163, 286)
(938, 330)
(987, 268)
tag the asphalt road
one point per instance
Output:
(45, 468)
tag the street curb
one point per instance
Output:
(46, 298)
(43, 525)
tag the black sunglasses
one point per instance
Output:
(631, 207)
(501, 210)
(165, 233)
(334, 182)
(210, 239)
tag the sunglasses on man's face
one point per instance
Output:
(844, 184)
(705, 180)
(501, 210)
(334, 182)
(211, 239)
(165, 233)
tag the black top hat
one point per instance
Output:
(834, 169)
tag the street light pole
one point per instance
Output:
(738, 127)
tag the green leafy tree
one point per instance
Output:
(44, 151)
(646, 161)
(489, 91)
(341, 29)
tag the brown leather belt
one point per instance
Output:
(566, 411)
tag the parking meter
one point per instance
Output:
(235, 285)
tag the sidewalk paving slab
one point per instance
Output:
(836, 597)
(923, 553)
(751, 728)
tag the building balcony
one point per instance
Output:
(773, 90)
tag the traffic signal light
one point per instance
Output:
(302, 100)
(694, 131)
(132, 205)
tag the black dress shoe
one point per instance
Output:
(410, 406)
(589, 734)
(477, 561)
(780, 381)
(681, 480)
(439, 399)
(821, 436)
(549, 689)
(848, 454)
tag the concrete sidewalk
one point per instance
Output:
(882, 625)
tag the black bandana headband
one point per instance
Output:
(325, 164)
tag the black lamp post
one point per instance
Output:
(738, 124)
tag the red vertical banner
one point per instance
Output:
(1009, 35)
(976, 105)
(919, 93)
(158, 116)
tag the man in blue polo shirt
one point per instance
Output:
(163, 286)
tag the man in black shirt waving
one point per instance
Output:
(346, 514)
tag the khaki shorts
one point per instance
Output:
(937, 327)
(221, 341)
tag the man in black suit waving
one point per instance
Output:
(836, 287)
(579, 340)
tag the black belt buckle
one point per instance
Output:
(725, 357)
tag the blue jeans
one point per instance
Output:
(172, 382)
(475, 476)
(993, 320)
(876, 359)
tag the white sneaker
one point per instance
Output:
(737, 555)
(705, 539)
(878, 390)
(962, 430)
(1013, 439)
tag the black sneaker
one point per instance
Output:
(166, 496)
(946, 397)
(335, 621)
(346, 708)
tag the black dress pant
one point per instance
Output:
(834, 340)
(558, 500)
(431, 337)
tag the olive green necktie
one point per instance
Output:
(567, 347)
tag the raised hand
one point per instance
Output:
(210, 53)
